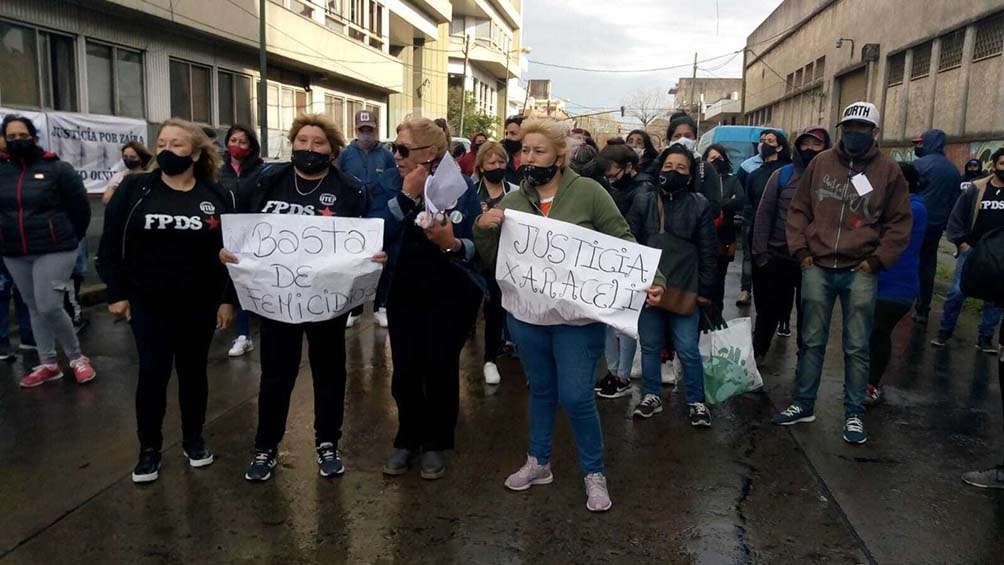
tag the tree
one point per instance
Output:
(474, 118)
(647, 106)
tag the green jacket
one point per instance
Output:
(579, 200)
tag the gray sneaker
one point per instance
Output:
(433, 465)
(530, 474)
(597, 497)
(991, 478)
(399, 462)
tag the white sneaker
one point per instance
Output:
(352, 320)
(241, 346)
(492, 376)
(381, 317)
(669, 373)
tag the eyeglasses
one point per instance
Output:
(403, 150)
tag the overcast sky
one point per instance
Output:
(634, 34)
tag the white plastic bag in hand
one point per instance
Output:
(445, 187)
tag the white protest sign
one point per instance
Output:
(553, 272)
(92, 143)
(299, 269)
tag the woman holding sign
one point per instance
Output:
(309, 184)
(559, 360)
(158, 256)
(434, 296)
(679, 220)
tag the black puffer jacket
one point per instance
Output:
(43, 206)
(244, 184)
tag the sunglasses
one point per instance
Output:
(403, 150)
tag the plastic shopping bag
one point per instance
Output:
(727, 357)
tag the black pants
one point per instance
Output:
(887, 315)
(775, 286)
(426, 337)
(928, 268)
(494, 320)
(720, 273)
(178, 336)
(281, 349)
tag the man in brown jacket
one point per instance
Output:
(849, 219)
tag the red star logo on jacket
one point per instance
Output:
(213, 223)
(326, 211)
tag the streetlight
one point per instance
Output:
(524, 49)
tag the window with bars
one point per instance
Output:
(808, 73)
(789, 82)
(951, 50)
(989, 37)
(820, 67)
(921, 61)
(897, 67)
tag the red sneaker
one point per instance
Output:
(41, 374)
(82, 370)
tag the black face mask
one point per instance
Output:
(623, 182)
(493, 176)
(535, 176)
(173, 164)
(999, 175)
(722, 167)
(918, 151)
(310, 162)
(807, 155)
(767, 150)
(672, 181)
(132, 163)
(512, 146)
(22, 148)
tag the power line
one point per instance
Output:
(657, 69)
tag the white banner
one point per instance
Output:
(553, 272)
(299, 269)
(92, 144)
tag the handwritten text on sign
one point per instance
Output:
(298, 269)
(553, 272)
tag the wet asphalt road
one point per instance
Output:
(743, 492)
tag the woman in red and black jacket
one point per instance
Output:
(43, 216)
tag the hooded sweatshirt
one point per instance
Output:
(899, 283)
(830, 222)
(769, 227)
(940, 178)
(970, 177)
(467, 160)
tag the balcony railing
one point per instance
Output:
(361, 20)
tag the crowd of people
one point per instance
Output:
(818, 222)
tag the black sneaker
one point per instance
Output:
(148, 468)
(603, 382)
(198, 455)
(6, 352)
(328, 461)
(941, 340)
(991, 478)
(986, 345)
(649, 406)
(784, 329)
(261, 466)
(699, 416)
(615, 388)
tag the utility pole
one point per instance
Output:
(693, 83)
(263, 84)
(463, 89)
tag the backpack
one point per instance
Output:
(984, 269)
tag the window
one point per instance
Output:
(808, 73)
(114, 80)
(921, 61)
(334, 107)
(375, 111)
(457, 26)
(37, 69)
(951, 50)
(354, 107)
(798, 78)
(820, 67)
(234, 99)
(483, 29)
(897, 67)
(190, 91)
(989, 37)
(789, 82)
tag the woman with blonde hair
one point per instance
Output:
(559, 360)
(489, 168)
(158, 256)
(432, 304)
(311, 185)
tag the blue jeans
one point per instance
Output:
(560, 362)
(243, 322)
(652, 325)
(953, 305)
(619, 352)
(820, 290)
(7, 291)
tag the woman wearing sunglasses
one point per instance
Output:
(433, 301)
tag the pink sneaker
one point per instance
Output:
(531, 473)
(82, 370)
(597, 496)
(41, 374)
